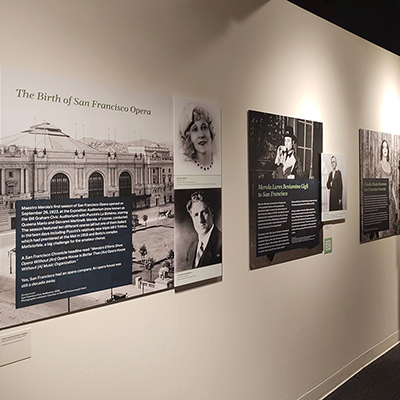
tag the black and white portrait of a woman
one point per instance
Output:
(197, 137)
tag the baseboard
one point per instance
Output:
(338, 378)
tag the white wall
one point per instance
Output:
(273, 333)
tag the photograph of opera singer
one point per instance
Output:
(198, 237)
(206, 249)
(287, 161)
(197, 133)
(335, 187)
(385, 171)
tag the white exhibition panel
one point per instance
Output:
(273, 333)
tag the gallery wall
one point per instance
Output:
(273, 333)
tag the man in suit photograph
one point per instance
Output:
(287, 161)
(206, 249)
(335, 186)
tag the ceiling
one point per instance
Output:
(377, 21)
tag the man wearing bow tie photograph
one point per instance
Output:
(335, 186)
(287, 161)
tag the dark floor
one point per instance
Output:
(378, 381)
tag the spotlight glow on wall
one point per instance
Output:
(308, 107)
(390, 110)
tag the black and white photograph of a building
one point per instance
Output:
(43, 162)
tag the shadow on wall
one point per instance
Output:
(147, 37)
(179, 32)
(237, 10)
(200, 22)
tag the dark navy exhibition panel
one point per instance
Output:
(288, 215)
(95, 259)
(375, 206)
